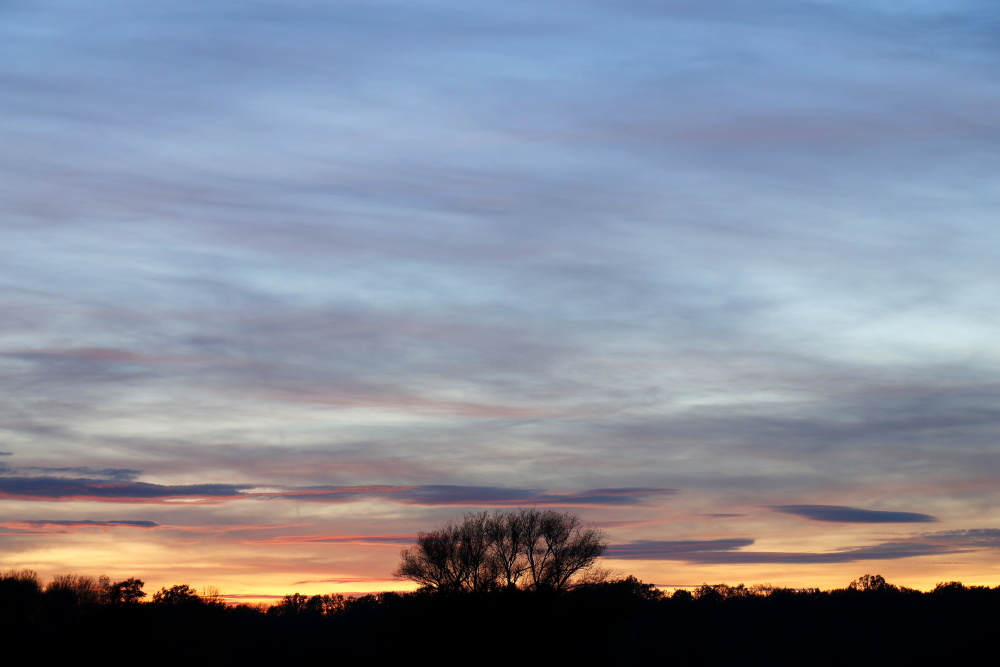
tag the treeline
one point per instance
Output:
(621, 621)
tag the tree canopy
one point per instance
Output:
(526, 549)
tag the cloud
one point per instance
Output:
(841, 514)
(397, 400)
(118, 474)
(973, 538)
(46, 526)
(729, 551)
(91, 354)
(387, 540)
(71, 524)
(56, 527)
(726, 551)
(63, 489)
(648, 244)
(674, 550)
(442, 494)
(341, 580)
(67, 489)
(221, 529)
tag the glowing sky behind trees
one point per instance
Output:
(285, 282)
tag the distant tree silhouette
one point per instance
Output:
(770, 590)
(718, 592)
(20, 595)
(526, 548)
(949, 588)
(628, 587)
(127, 591)
(211, 595)
(871, 583)
(181, 594)
(297, 604)
(294, 604)
(19, 582)
(76, 590)
(326, 605)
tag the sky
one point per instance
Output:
(284, 283)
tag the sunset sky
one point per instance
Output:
(284, 283)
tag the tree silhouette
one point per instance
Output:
(181, 594)
(871, 583)
(128, 591)
(20, 595)
(76, 590)
(526, 548)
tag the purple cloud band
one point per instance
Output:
(841, 514)
(61, 488)
(728, 551)
(74, 524)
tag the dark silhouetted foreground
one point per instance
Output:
(620, 622)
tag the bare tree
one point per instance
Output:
(77, 589)
(556, 547)
(211, 595)
(506, 532)
(524, 548)
(452, 558)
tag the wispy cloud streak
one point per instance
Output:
(440, 494)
